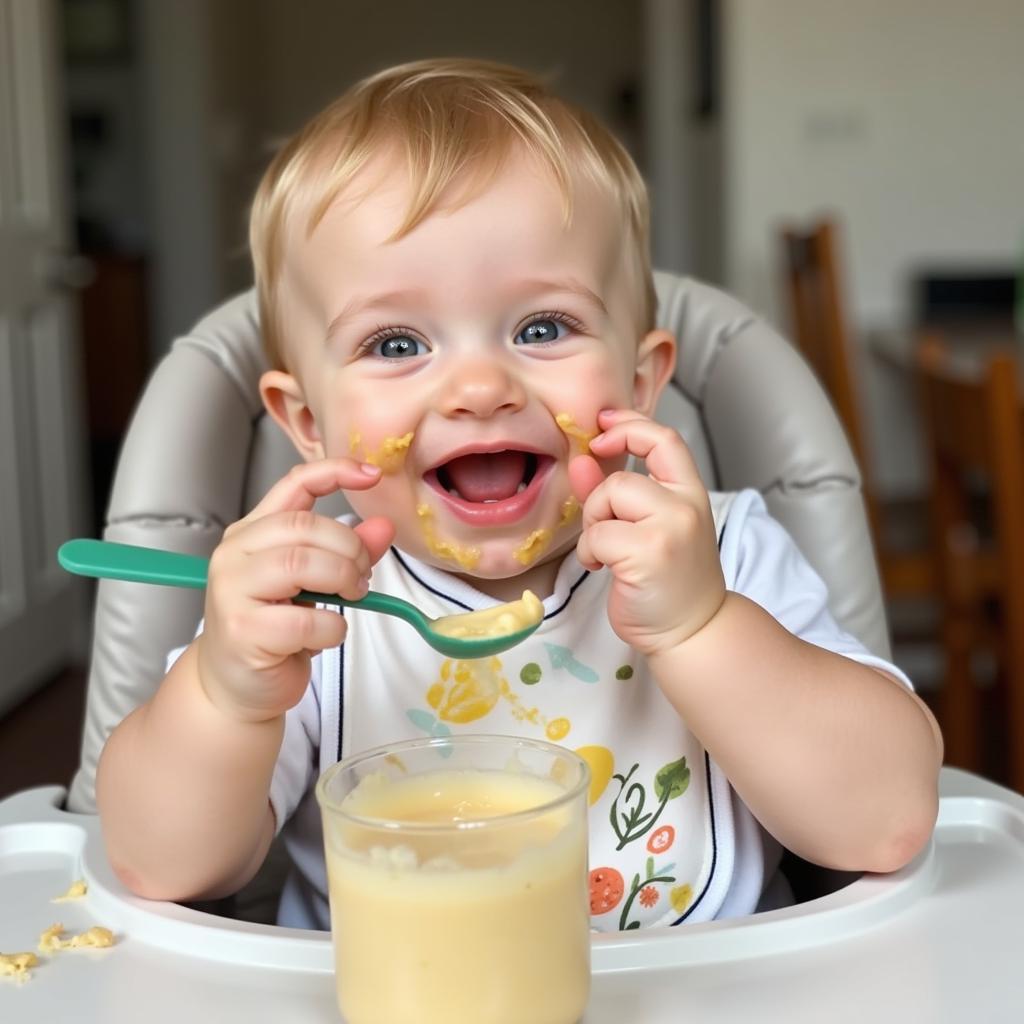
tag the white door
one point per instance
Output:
(41, 413)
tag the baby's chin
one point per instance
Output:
(497, 559)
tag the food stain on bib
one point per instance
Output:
(466, 691)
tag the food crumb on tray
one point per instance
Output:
(75, 892)
(96, 937)
(17, 965)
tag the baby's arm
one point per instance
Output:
(183, 782)
(837, 760)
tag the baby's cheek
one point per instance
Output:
(391, 498)
(596, 383)
(383, 499)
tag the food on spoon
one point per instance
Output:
(500, 620)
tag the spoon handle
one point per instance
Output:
(105, 559)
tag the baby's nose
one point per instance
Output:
(481, 387)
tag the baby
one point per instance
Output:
(457, 303)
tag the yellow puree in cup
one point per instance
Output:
(479, 925)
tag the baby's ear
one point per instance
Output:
(655, 361)
(284, 401)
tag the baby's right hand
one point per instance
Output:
(255, 649)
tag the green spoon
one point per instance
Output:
(107, 560)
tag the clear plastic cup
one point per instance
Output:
(457, 871)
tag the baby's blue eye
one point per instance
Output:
(540, 331)
(398, 346)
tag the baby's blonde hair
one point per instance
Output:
(451, 119)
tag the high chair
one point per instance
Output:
(200, 452)
(975, 430)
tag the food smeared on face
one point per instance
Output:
(389, 456)
(391, 453)
(570, 510)
(533, 547)
(501, 620)
(567, 424)
(465, 557)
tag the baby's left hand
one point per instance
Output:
(655, 533)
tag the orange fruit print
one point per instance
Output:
(662, 839)
(606, 890)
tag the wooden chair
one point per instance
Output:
(975, 430)
(819, 327)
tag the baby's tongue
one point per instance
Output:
(487, 476)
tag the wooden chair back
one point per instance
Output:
(819, 322)
(975, 431)
(813, 286)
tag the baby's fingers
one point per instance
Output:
(280, 573)
(304, 483)
(628, 496)
(295, 527)
(668, 459)
(584, 476)
(286, 629)
(376, 533)
(608, 542)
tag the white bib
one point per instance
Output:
(661, 820)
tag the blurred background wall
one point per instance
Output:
(900, 119)
(903, 118)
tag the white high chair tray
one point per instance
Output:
(938, 941)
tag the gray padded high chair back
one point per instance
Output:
(200, 453)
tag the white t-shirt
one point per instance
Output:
(670, 840)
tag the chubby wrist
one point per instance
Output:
(694, 643)
(215, 697)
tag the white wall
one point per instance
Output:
(906, 117)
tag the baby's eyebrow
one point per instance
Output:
(360, 303)
(570, 285)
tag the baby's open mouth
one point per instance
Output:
(488, 477)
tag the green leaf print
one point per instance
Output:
(653, 877)
(630, 822)
(674, 777)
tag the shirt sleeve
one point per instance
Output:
(295, 771)
(762, 561)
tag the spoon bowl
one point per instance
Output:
(105, 559)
